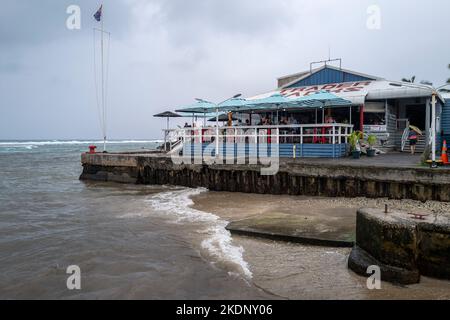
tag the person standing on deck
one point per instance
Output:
(412, 136)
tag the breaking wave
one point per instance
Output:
(71, 142)
(216, 244)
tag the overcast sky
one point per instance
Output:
(165, 53)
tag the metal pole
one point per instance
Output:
(217, 132)
(350, 119)
(103, 83)
(165, 140)
(361, 118)
(433, 130)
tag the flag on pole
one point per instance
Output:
(98, 14)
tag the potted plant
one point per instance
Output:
(371, 140)
(354, 139)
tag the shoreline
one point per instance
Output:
(297, 271)
(379, 178)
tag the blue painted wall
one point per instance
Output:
(445, 120)
(327, 76)
(285, 150)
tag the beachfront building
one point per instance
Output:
(311, 114)
(445, 118)
(379, 106)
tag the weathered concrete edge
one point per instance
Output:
(401, 243)
(332, 170)
(289, 238)
(359, 260)
(305, 179)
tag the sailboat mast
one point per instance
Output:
(103, 81)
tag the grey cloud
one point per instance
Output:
(31, 22)
(166, 53)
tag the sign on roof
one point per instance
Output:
(359, 92)
(335, 88)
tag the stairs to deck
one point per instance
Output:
(420, 147)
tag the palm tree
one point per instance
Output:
(412, 80)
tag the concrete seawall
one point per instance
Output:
(404, 248)
(295, 177)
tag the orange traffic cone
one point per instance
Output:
(444, 156)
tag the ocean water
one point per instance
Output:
(159, 242)
(129, 241)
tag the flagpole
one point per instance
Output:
(103, 83)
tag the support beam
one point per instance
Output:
(361, 118)
(427, 121)
(433, 131)
(350, 116)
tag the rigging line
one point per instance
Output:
(103, 97)
(107, 80)
(99, 111)
(103, 80)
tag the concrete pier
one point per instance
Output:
(389, 176)
(403, 247)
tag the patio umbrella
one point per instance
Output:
(198, 107)
(168, 115)
(324, 98)
(316, 100)
(233, 105)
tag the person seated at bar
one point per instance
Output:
(329, 119)
(294, 120)
(284, 131)
(328, 130)
(283, 122)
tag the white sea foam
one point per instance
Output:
(218, 245)
(71, 142)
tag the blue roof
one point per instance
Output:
(327, 75)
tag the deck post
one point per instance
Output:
(334, 135)
(427, 121)
(433, 130)
(217, 132)
(256, 142)
(301, 135)
(350, 115)
(361, 118)
(165, 140)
